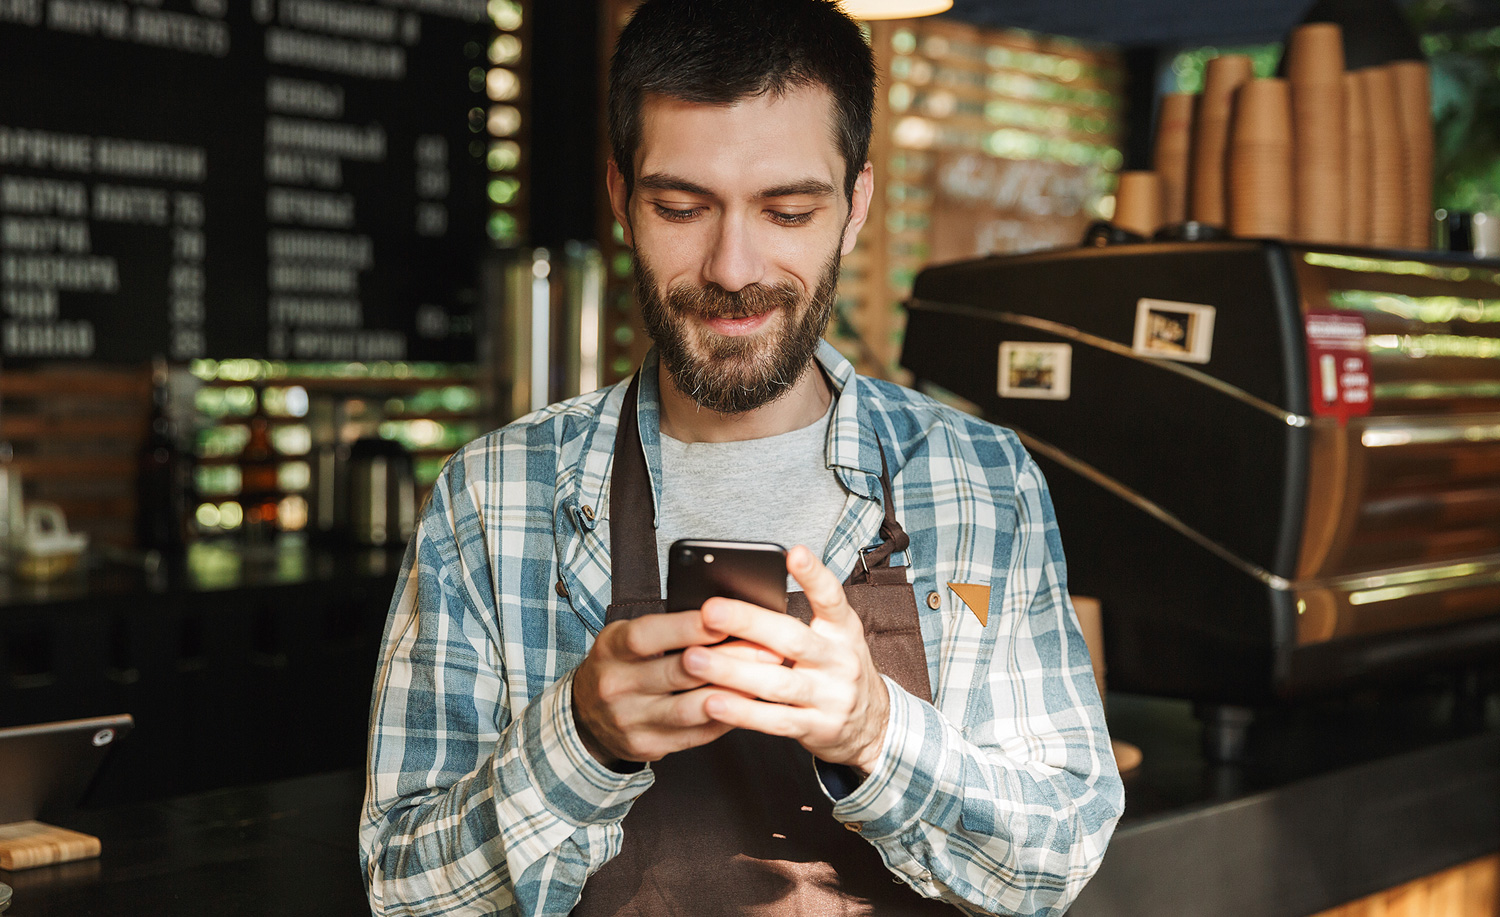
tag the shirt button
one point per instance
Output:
(562, 588)
(855, 826)
(934, 601)
(588, 513)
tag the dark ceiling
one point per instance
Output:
(1183, 22)
(1140, 22)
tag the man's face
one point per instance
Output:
(738, 220)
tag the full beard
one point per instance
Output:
(736, 374)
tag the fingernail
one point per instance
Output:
(802, 558)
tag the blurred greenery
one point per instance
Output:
(1466, 118)
(1187, 67)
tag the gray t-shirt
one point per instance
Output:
(778, 489)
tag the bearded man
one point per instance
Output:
(546, 739)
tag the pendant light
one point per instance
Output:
(894, 9)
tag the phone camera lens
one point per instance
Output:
(708, 558)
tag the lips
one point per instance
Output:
(735, 327)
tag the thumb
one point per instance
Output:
(823, 590)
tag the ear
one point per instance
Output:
(619, 200)
(859, 206)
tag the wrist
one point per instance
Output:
(591, 744)
(877, 723)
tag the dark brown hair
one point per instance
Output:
(718, 52)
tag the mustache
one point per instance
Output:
(713, 301)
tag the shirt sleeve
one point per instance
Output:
(1003, 800)
(472, 807)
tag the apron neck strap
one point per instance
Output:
(635, 574)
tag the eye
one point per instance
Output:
(790, 219)
(677, 214)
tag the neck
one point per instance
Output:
(800, 406)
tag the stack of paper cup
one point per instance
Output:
(1387, 192)
(1138, 203)
(1414, 102)
(1260, 160)
(1206, 197)
(1174, 136)
(1315, 70)
(1357, 162)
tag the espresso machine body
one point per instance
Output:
(1262, 514)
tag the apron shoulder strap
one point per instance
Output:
(893, 537)
(635, 573)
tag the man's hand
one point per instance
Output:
(632, 698)
(831, 699)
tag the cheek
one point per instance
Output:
(669, 251)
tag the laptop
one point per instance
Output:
(48, 767)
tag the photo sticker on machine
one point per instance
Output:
(1032, 370)
(1174, 330)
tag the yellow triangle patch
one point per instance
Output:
(977, 597)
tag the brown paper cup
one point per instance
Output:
(1318, 154)
(1260, 161)
(1138, 203)
(1414, 101)
(1315, 54)
(1388, 175)
(1357, 163)
(1172, 153)
(1262, 113)
(1206, 197)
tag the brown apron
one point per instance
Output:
(741, 826)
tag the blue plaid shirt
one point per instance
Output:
(999, 796)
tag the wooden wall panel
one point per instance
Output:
(76, 431)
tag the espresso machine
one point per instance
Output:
(1277, 466)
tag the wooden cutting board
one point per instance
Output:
(24, 844)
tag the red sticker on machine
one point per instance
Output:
(1338, 365)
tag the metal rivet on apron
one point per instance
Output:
(855, 825)
(934, 601)
(562, 588)
(588, 513)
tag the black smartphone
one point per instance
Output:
(751, 571)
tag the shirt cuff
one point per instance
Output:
(576, 786)
(905, 776)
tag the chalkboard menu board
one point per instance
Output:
(287, 179)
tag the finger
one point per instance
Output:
(750, 652)
(663, 676)
(780, 633)
(654, 634)
(823, 590)
(760, 716)
(770, 682)
(653, 745)
(683, 739)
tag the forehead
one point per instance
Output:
(757, 142)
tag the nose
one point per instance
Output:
(735, 260)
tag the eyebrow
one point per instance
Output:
(660, 181)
